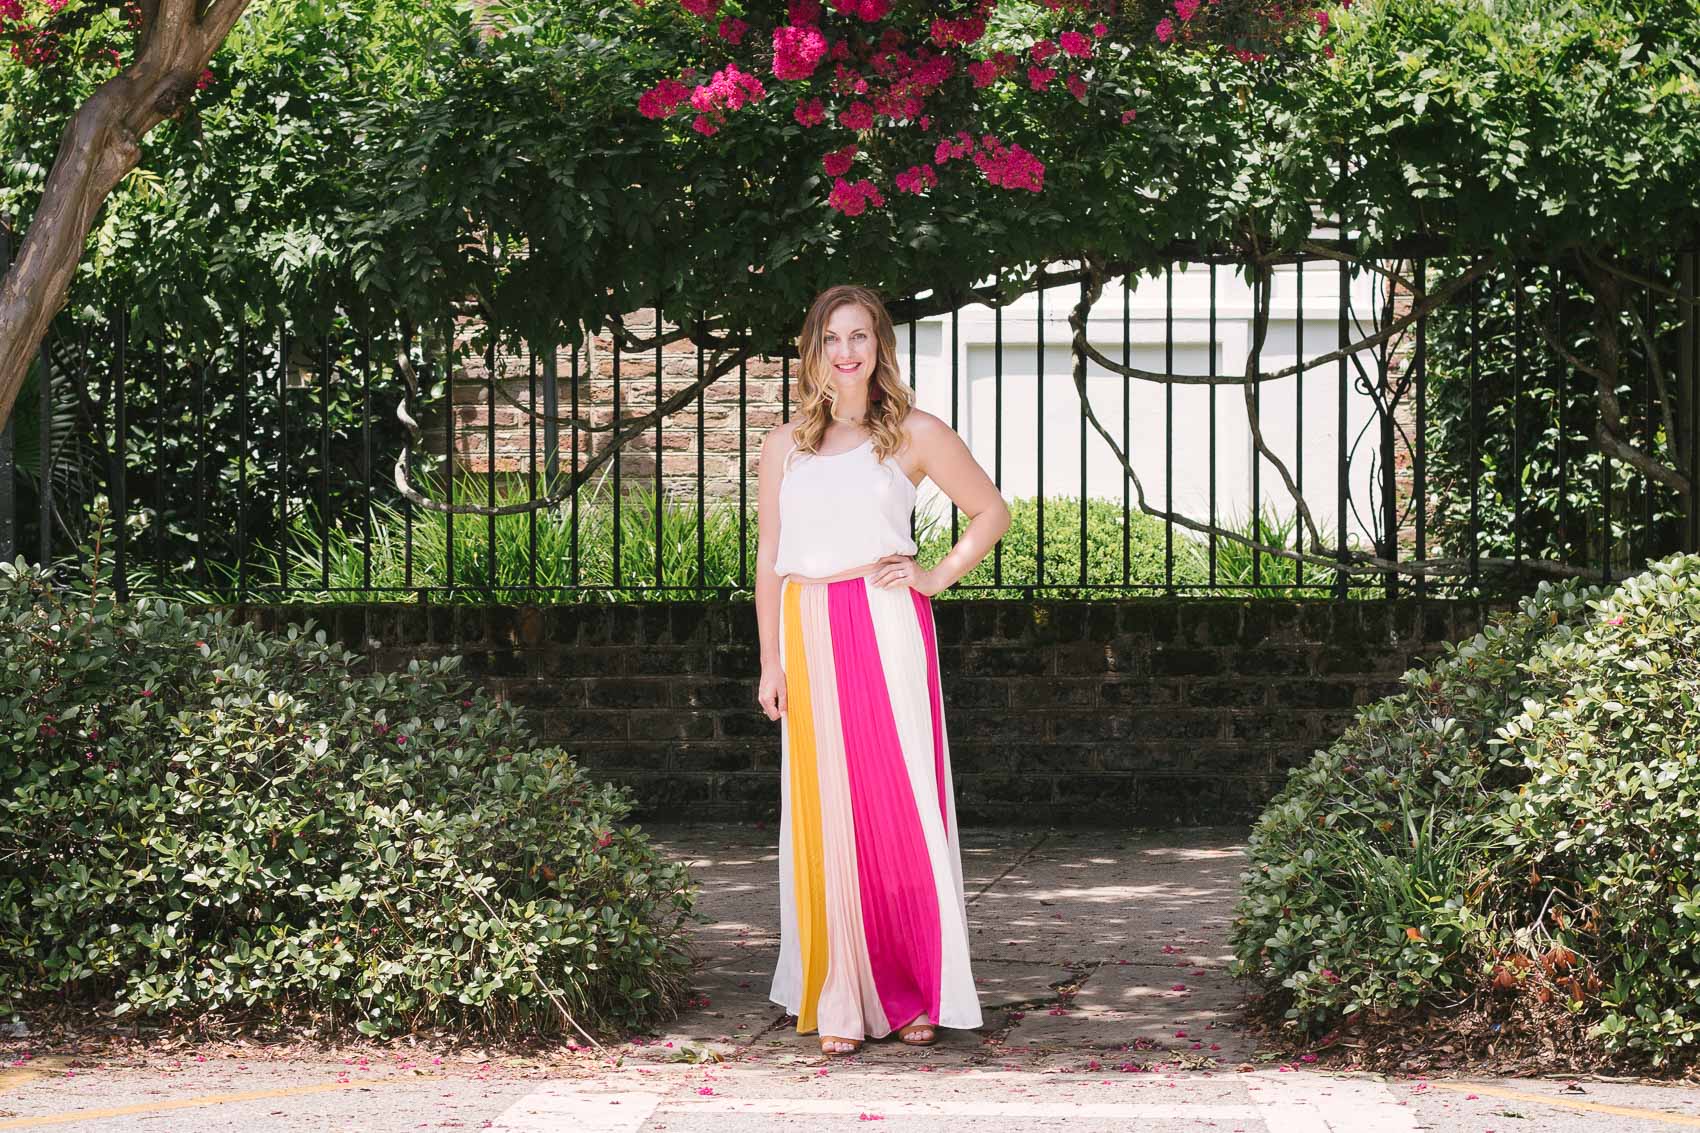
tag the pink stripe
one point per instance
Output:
(900, 905)
(924, 615)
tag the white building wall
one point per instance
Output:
(977, 418)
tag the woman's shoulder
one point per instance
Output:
(780, 439)
(923, 426)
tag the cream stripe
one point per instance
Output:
(787, 989)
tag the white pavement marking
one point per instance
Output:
(1283, 1103)
(910, 1107)
(561, 1106)
(1312, 1103)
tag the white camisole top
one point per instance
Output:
(842, 510)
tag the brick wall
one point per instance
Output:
(761, 387)
(1142, 711)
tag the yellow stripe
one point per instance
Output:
(807, 852)
(73, 1116)
(1591, 1107)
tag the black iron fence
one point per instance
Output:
(1323, 427)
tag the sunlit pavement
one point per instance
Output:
(1101, 958)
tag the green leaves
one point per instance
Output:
(252, 838)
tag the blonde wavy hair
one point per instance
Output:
(889, 400)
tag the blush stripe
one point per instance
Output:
(900, 907)
(848, 1006)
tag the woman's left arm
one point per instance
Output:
(945, 458)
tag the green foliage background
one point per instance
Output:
(387, 146)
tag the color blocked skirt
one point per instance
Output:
(873, 922)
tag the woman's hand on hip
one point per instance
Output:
(902, 570)
(770, 693)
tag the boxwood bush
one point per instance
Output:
(1514, 830)
(200, 819)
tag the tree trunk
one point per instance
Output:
(100, 146)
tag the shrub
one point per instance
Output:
(1605, 831)
(1362, 866)
(1516, 827)
(1108, 531)
(199, 818)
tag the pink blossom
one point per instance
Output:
(1128, 116)
(1075, 44)
(729, 89)
(809, 113)
(959, 146)
(853, 197)
(803, 13)
(962, 32)
(917, 179)
(1040, 78)
(663, 99)
(1321, 21)
(797, 51)
(837, 162)
(985, 72)
(1076, 86)
(1100, 30)
(704, 8)
(732, 30)
(1165, 30)
(11, 10)
(870, 11)
(704, 125)
(1042, 50)
(1009, 168)
(857, 116)
(1186, 9)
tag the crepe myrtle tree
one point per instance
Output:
(924, 71)
(156, 55)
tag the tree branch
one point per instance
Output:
(101, 144)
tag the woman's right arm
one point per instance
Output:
(770, 692)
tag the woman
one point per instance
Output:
(873, 925)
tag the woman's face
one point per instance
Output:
(848, 344)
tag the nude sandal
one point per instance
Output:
(904, 1034)
(855, 1045)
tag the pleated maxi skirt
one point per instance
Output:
(873, 922)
